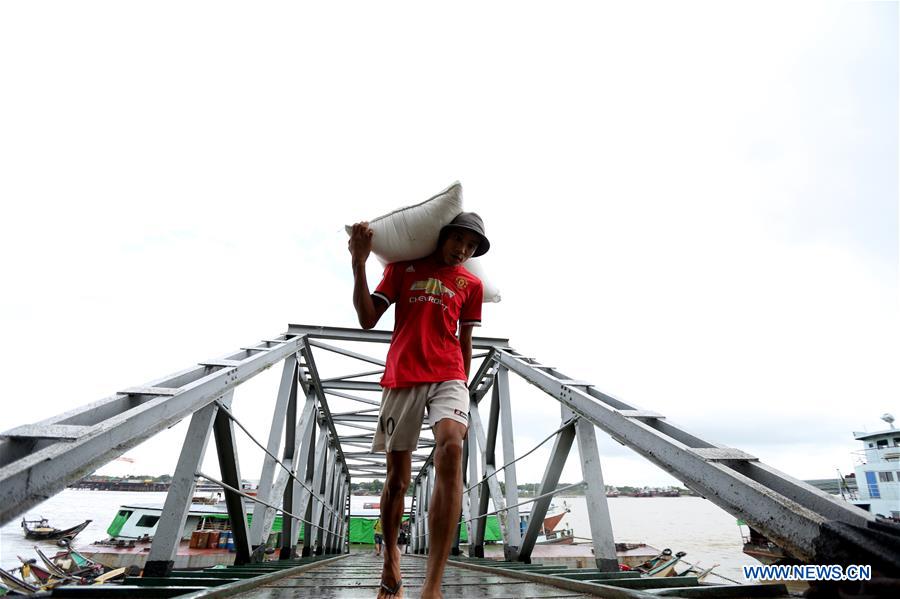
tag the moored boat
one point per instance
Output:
(878, 471)
(15, 583)
(662, 565)
(32, 573)
(131, 533)
(632, 555)
(74, 563)
(565, 536)
(877, 475)
(41, 530)
(71, 564)
(549, 532)
(133, 527)
(758, 545)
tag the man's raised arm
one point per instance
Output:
(360, 245)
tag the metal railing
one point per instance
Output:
(310, 482)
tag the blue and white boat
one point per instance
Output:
(878, 471)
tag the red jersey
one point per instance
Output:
(432, 300)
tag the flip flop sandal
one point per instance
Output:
(391, 590)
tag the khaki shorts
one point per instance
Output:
(403, 412)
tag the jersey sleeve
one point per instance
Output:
(389, 287)
(470, 315)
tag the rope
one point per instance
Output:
(532, 500)
(277, 461)
(504, 509)
(278, 509)
(524, 455)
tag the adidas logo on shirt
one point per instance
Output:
(410, 268)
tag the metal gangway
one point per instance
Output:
(313, 452)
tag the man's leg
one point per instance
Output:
(398, 472)
(446, 501)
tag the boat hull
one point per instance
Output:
(566, 540)
(551, 522)
(52, 534)
(185, 557)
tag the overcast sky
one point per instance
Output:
(692, 205)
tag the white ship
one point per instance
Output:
(878, 471)
(877, 475)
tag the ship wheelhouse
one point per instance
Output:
(878, 473)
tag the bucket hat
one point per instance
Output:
(471, 222)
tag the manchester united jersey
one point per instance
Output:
(432, 300)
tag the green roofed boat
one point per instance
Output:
(131, 532)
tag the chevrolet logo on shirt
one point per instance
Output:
(432, 287)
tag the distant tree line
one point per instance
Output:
(376, 486)
(163, 478)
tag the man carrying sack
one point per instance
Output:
(427, 368)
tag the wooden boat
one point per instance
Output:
(548, 533)
(700, 573)
(666, 566)
(43, 578)
(73, 564)
(557, 537)
(59, 572)
(654, 561)
(551, 520)
(111, 575)
(41, 530)
(30, 569)
(31, 572)
(51, 574)
(633, 555)
(206, 499)
(17, 584)
(660, 566)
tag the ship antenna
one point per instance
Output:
(889, 419)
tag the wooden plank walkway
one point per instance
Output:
(359, 574)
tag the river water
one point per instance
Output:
(691, 524)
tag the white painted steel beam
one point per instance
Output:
(301, 498)
(266, 490)
(492, 492)
(375, 335)
(513, 534)
(472, 500)
(229, 466)
(311, 451)
(793, 519)
(599, 520)
(33, 469)
(323, 400)
(295, 458)
(39, 459)
(348, 353)
(318, 486)
(562, 444)
(181, 491)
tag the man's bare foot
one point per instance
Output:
(431, 593)
(390, 574)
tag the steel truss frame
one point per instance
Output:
(310, 481)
